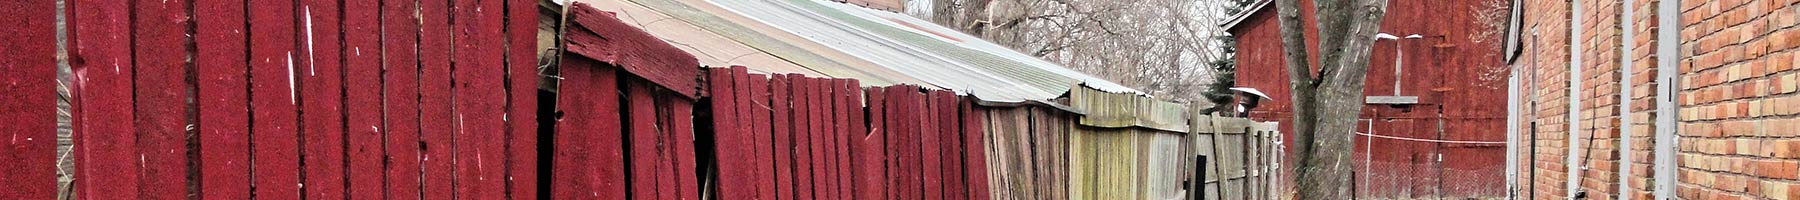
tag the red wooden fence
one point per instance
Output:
(233, 99)
(319, 99)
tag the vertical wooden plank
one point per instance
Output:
(891, 142)
(743, 171)
(974, 151)
(321, 99)
(160, 94)
(435, 119)
(1024, 163)
(831, 112)
(682, 127)
(31, 65)
(1038, 138)
(102, 39)
(818, 113)
(732, 184)
(522, 101)
(665, 151)
(930, 152)
(762, 133)
(362, 98)
(918, 109)
(853, 99)
(902, 180)
(588, 161)
(841, 146)
(870, 158)
(743, 136)
(783, 142)
(399, 95)
(640, 145)
(223, 100)
(1048, 138)
(274, 137)
(802, 148)
(950, 141)
(479, 68)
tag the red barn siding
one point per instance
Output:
(1456, 76)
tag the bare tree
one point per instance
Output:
(1326, 106)
(1163, 47)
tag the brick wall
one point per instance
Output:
(1738, 133)
(1542, 61)
(1738, 122)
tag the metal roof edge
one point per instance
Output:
(1235, 20)
(1052, 105)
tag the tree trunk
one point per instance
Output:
(1326, 107)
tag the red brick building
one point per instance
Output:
(1444, 84)
(1657, 99)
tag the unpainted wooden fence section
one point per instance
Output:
(1243, 158)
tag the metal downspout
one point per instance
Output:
(1625, 65)
(1668, 37)
(1573, 175)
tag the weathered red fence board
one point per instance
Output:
(435, 119)
(762, 133)
(909, 107)
(104, 123)
(974, 151)
(522, 102)
(781, 117)
(803, 128)
(681, 112)
(273, 97)
(30, 65)
(362, 99)
(828, 111)
(399, 96)
(950, 144)
(588, 154)
(640, 123)
(665, 152)
(479, 98)
(841, 138)
(895, 142)
(859, 129)
(321, 100)
(871, 167)
(221, 67)
(930, 146)
(732, 177)
(160, 97)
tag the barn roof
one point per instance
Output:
(1253, 9)
(849, 41)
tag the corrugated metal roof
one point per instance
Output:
(710, 49)
(925, 51)
(848, 41)
(786, 47)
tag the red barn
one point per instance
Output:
(1436, 90)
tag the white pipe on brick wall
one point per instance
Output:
(1512, 133)
(1625, 65)
(1573, 176)
(1668, 37)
